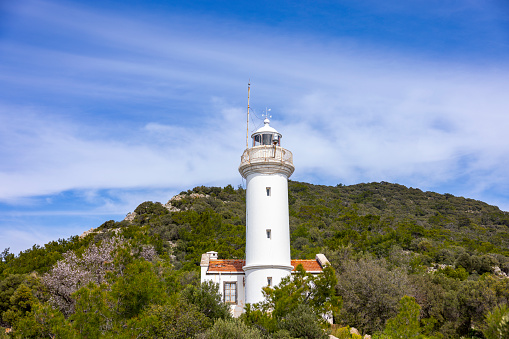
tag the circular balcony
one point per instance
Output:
(267, 160)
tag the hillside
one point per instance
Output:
(397, 233)
(368, 217)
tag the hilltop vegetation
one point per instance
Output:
(396, 251)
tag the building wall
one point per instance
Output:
(267, 213)
(258, 279)
(220, 279)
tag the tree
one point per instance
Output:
(97, 261)
(7, 288)
(405, 325)
(497, 323)
(207, 299)
(44, 321)
(370, 293)
(317, 293)
(22, 301)
(93, 314)
(134, 287)
(73, 272)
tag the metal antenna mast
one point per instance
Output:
(247, 132)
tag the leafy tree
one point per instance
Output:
(317, 293)
(44, 321)
(497, 323)
(22, 301)
(370, 292)
(93, 314)
(7, 288)
(207, 299)
(135, 287)
(405, 325)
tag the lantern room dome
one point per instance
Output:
(265, 128)
(266, 135)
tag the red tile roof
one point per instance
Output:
(235, 265)
(228, 265)
(310, 265)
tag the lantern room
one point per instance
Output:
(266, 136)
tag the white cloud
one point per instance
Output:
(348, 113)
(52, 156)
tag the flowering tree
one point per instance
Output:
(73, 272)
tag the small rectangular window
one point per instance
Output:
(269, 281)
(269, 234)
(268, 191)
(230, 292)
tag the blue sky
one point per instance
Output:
(106, 104)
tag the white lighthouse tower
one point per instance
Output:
(266, 166)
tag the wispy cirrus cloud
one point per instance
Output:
(113, 107)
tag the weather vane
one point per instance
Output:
(266, 115)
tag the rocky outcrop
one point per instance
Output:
(179, 197)
(84, 234)
(130, 216)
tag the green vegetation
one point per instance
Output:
(297, 306)
(405, 264)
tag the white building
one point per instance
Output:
(266, 166)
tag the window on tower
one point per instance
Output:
(269, 281)
(269, 234)
(257, 140)
(268, 191)
(267, 139)
(230, 292)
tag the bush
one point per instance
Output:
(179, 321)
(231, 328)
(302, 323)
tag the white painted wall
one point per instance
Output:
(266, 257)
(221, 279)
(256, 279)
(267, 212)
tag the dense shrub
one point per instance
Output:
(231, 328)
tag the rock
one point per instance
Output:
(84, 234)
(353, 330)
(130, 216)
(499, 272)
(170, 207)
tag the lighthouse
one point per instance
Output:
(266, 166)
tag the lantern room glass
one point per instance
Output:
(265, 139)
